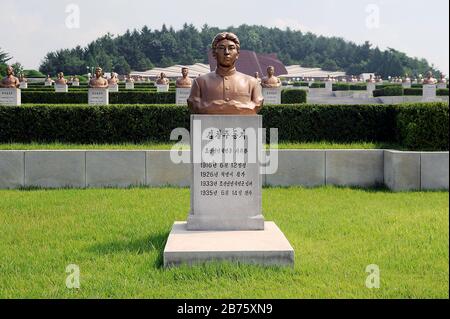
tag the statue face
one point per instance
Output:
(185, 72)
(98, 73)
(270, 71)
(226, 53)
(9, 70)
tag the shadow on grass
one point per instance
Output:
(153, 243)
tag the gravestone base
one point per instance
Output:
(268, 247)
(10, 97)
(113, 88)
(160, 88)
(182, 96)
(429, 93)
(61, 88)
(201, 223)
(98, 96)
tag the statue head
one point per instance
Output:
(98, 72)
(9, 70)
(429, 75)
(270, 71)
(185, 72)
(163, 75)
(60, 75)
(225, 48)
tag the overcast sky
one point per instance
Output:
(417, 27)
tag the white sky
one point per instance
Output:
(417, 27)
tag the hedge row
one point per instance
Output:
(291, 96)
(349, 87)
(400, 91)
(124, 97)
(415, 126)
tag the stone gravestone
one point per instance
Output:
(406, 85)
(23, 85)
(442, 86)
(429, 93)
(162, 88)
(329, 86)
(61, 88)
(226, 221)
(10, 97)
(48, 83)
(272, 95)
(76, 83)
(370, 88)
(98, 96)
(129, 86)
(113, 87)
(182, 96)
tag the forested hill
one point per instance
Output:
(140, 50)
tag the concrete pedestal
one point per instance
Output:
(162, 88)
(10, 97)
(268, 247)
(272, 96)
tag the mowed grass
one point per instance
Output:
(168, 146)
(117, 236)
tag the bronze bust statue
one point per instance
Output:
(162, 80)
(113, 80)
(225, 91)
(61, 80)
(429, 79)
(184, 82)
(371, 79)
(270, 81)
(10, 81)
(98, 81)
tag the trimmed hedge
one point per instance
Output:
(289, 96)
(423, 126)
(415, 126)
(317, 85)
(400, 91)
(124, 97)
(349, 87)
(293, 96)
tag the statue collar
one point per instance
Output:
(223, 72)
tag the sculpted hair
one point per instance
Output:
(226, 36)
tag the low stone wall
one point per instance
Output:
(400, 171)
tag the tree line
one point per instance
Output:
(141, 50)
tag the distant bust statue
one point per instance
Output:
(429, 79)
(10, 81)
(270, 81)
(48, 79)
(61, 80)
(258, 78)
(407, 79)
(76, 79)
(98, 81)
(22, 79)
(225, 91)
(162, 80)
(442, 80)
(371, 79)
(113, 80)
(185, 81)
(129, 79)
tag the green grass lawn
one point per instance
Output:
(117, 236)
(168, 146)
